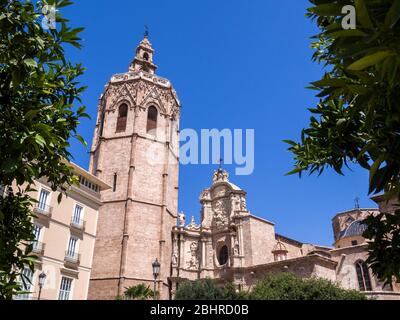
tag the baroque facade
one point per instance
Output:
(232, 245)
(138, 123)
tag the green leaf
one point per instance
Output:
(362, 14)
(369, 60)
(59, 197)
(330, 83)
(294, 171)
(377, 163)
(393, 15)
(81, 140)
(292, 143)
(327, 9)
(346, 33)
(40, 140)
(30, 63)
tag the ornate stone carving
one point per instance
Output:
(220, 176)
(119, 92)
(192, 225)
(220, 214)
(174, 259)
(175, 254)
(243, 205)
(181, 220)
(210, 256)
(236, 202)
(205, 195)
(193, 262)
(219, 192)
(236, 248)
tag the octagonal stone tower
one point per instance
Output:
(135, 150)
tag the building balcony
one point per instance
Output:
(72, 260)
(38, 247)
(78, 224)
(43, 210)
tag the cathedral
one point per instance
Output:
(138, 117)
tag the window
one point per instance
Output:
(72, 248)
(280, 256)
(223, 255)
(115, 183)
(146, 56)
(65, 289)
(83, 181)
(36, 245)
(26, 279)
(122, 117)
(354, 242)
(43, 198)
(76, 219)
(152, 115)
(37, 231)
(363, 277)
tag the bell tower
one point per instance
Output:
(135, 150)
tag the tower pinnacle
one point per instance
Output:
(143, 60)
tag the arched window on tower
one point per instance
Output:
(145, 56)
(364, 280)
(152, 115)
(122, 117)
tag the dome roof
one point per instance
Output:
(356, 228)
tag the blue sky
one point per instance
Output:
(234, 64)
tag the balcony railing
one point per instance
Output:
(78, 224)
(43, 209)
(72, 259)
(38, 247)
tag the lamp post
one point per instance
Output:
(42, 279)
(156, 272)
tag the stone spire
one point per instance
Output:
(143, 60)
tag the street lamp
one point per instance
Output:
(42, 279)
(156, 272)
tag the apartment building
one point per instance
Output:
(65, 235)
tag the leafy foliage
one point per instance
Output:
(358, 117)
(13, 228)
(204, 289)
(384, 229)
(139, 292)
(287, 286)
(38, 89)
(207, 289)
(283, 286)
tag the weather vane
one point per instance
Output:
(146, 31)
